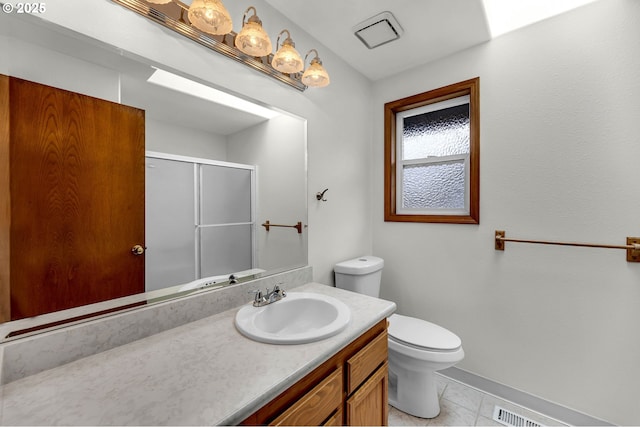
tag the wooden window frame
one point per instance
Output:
(468, 87)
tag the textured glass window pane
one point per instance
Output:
(437, 133)
(225, 195)
(434, 186)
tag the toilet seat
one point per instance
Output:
(422, 335)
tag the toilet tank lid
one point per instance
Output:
(361, 265)
(420, 333)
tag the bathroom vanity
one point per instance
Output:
(206, 372)
(348, 389)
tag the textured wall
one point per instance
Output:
(560, 101)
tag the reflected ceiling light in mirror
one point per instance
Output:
(253, 39)
(315, 75)
(210, 16)
(287, 59)
(181, 84)
(159, 1)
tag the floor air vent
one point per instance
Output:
(509, 418)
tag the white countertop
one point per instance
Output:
(201, 373)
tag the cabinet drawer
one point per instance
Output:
(364, 362)
(317, 405)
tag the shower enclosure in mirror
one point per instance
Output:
(200, 221)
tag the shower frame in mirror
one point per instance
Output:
(188, 198)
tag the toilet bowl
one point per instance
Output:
(417, 348)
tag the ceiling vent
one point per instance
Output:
(378, 30)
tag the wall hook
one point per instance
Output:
(320, 196)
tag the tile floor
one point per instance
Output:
(462, 405)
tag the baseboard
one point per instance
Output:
(544, 407)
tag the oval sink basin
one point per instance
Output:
(298, 318)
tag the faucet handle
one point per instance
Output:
(257, 295)
(280, 292)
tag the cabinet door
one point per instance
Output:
(368, 405)
(317, 405)
(76, 199)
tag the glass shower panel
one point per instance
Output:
(170, 213)
(225, 195)
(225, 249)
(434, 186)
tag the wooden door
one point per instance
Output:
(76, 199)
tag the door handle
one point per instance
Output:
(138, 250)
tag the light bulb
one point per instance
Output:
(253, 39)
(210, 16)
(316, 75)
(287, 59)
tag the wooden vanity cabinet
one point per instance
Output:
(348, 389)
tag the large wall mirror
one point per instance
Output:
(214, 173)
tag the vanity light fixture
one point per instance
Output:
(315, 75)
(253, 39)
(208, 23)
(287, 59)
(210, 16)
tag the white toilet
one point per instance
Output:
(417, 348)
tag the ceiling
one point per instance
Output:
(433, 29)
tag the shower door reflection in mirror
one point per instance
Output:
(200, 220)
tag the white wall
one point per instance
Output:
(277, 148)
(31, 62)
(560, 103)
(169, 138)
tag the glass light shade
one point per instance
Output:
(315, 75)
(253, 40)
(210, 16)
(287, 59)
(159, 1)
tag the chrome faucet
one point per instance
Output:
(274, 295)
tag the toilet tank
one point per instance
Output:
(360, 275)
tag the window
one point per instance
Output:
(432, 156)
